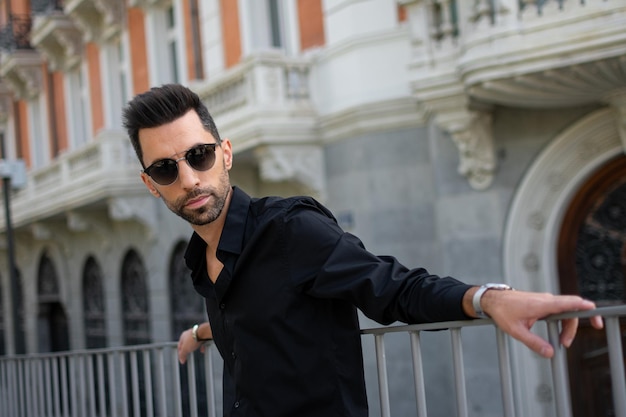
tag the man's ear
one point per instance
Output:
(228, 153)
(149, 185)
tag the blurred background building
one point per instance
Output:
(480, 139)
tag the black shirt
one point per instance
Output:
(283, 310)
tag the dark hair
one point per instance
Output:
(161, 105)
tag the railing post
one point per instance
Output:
(459, 372)
(383, 382)
(506, 378)
(210, 385)
(147, 372)
(560, 377)
(418, 375)
(614, 342)
(191, 383)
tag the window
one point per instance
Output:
(135, 310)
(116, 77)
(39, 146)
(165, 31)
(77, 99)
(93, 305)
(265, 24)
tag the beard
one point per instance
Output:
(208, 213)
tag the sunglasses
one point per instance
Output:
(200, 158)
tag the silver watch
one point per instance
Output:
(479, 294)
(194, 334)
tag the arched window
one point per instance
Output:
(20, 342)
(52, 323)
(135, 307)
(93, 305)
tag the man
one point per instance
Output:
(283, 282)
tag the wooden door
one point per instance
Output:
(592, 263)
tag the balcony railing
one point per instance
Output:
(95, 172)
(147, 380)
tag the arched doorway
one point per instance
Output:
(592, 263)
(52, 322)
(533, 229)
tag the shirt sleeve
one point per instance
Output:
(326, 262)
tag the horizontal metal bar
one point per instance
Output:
(611, 311)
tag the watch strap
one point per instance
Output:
(479, 294)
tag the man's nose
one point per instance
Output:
(187, 176)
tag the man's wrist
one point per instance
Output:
(194, 334)
(480, 292)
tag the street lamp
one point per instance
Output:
(13, 175)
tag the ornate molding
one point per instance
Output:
(140, 209)
(22, 72)
(300, 163)
(470, 127)
(477, 158)
(59, 39)
(99, 20)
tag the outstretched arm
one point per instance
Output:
(515, 312)
(187, 343)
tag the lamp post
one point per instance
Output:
(13, 175)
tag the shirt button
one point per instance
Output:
(236, 405)
(233, 354)
(222, 306)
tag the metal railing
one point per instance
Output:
(558, 363)
(147, 381)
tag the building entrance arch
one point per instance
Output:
(534, 226)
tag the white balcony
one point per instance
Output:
(468, 57)
(102, 174)
(265, 106)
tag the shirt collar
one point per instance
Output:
(234, 229)
(231, 239)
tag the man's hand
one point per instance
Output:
(187, 344)
(515, 312)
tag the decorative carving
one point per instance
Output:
(21, 70)
(80, 222)
(476, 149)
(59, 39)
(302, 163)
(140, 209)
(99, 20)
(531, 262)
(40, 231)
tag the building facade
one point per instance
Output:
(480, 139)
